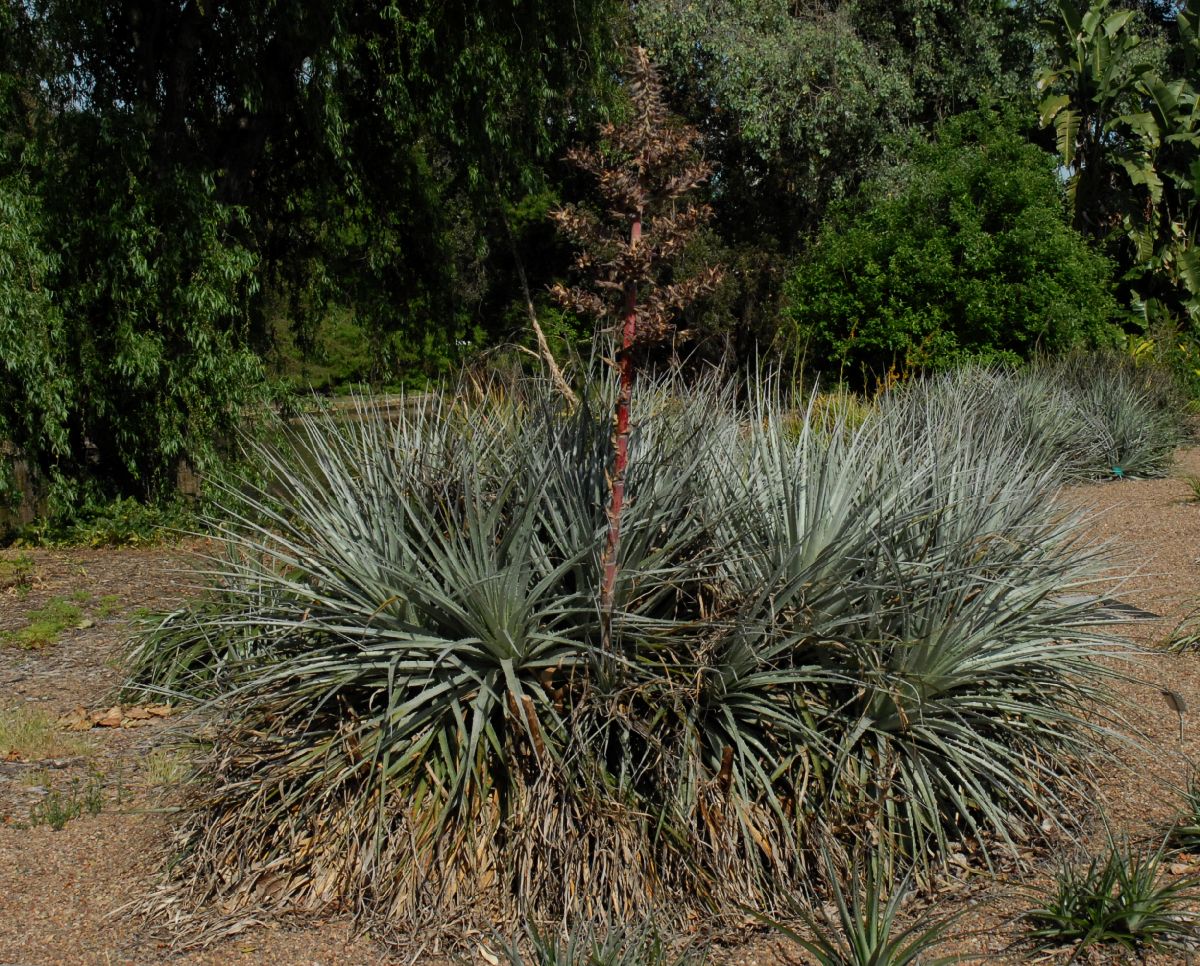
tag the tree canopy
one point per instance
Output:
(204, 201)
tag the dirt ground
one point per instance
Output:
(61, 890)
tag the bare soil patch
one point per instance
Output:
(59, 889)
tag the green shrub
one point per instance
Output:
(115, 523)
(1119, 898)
(963, 254)
(816, 626)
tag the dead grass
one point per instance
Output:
(31, 734)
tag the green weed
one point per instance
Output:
(45, 624)
(108, 605)
(16, 573)
(60, 807)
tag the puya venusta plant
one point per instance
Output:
(1121, 898)
(818, 625)
(863, 923)
(612, 944)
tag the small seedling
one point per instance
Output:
(1193, 483)
(1119, 898)
(58, 808)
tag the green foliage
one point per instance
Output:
(964, 253)
(171, 184)
(800, 102)
(45, 624)
(815, 626)
(1128, 134)
(1119, 899)
(34, 386)
(115, 523)
(865, 929)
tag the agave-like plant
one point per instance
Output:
(817, 626)
(864, 928)
(1132, 417)
(1118, 898)
(590, 945)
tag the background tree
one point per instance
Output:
(210, 182)
(962, 253)
(1128, 132)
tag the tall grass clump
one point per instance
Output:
(819, 629)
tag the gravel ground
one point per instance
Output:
(60, 890)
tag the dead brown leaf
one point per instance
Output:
(77, 720)
(111, 718)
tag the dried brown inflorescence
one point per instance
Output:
(643, 170)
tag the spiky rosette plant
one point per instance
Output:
(817, 629)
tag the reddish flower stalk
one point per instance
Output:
(642, 171)
(621, 454)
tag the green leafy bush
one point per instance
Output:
(114, 523)
(817, 625)
(964, 253)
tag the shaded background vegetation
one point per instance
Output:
(203, 204)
